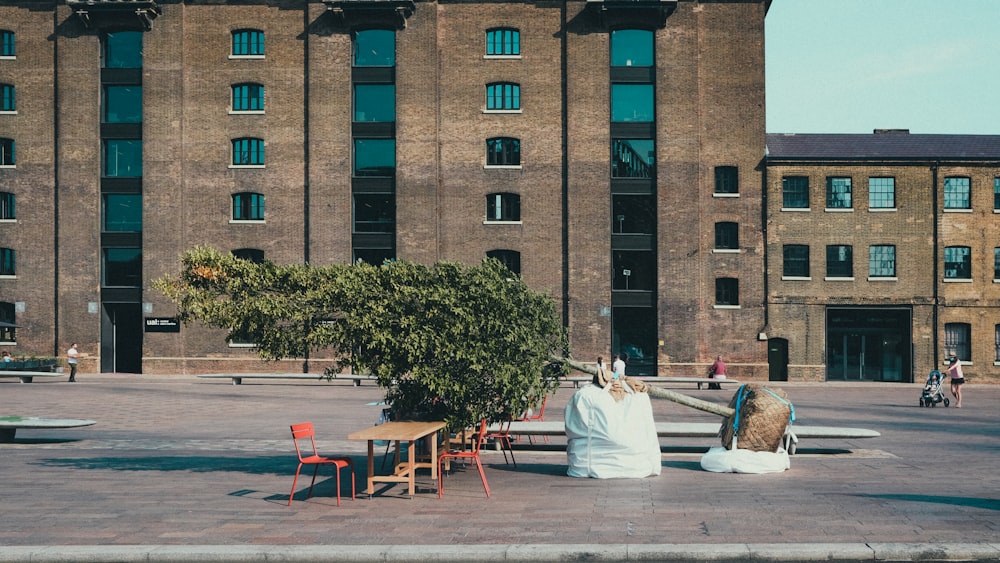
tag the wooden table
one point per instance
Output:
(398, 431)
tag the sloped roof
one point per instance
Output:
(882, 145)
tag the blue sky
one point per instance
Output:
(851, 66)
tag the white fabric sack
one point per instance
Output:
(722, 460)
(611, 439)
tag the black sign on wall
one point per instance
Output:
(162, 324)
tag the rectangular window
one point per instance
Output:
(8, 262)
(996, 343)
(375, 47)
(122, 212)
(374, 213)
(727, 180)
(633, 158)
(502, 96)
(7, 325)
(375, 103)
(122, 267)
(7, 156)
(958, 262)
(7, 207)
(7, 44)
(503, 151)
(122, 158)
(795, 192)
(503, 42)
(957, 340)
(632, 103)
(503, 207)
(796, 261)
(838, 193)
(248, 206)
(122, 104)
(123, 49)
(996, 194)
(248, 152)
(839, 261)
(7, 100)
(248, 97)
(375, 157)
(996, 263)
(881, 193)
(727, 292)
(957, 193)
(633, 214)
(727, 236)
(882, 261)
(633, 270)
(632, 47)
(248, 43)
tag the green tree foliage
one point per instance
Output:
(448, 341)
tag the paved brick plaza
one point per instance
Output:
(185, 461)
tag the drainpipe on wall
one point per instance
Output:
(937, 249)
(55, 184)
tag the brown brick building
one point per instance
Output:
(612, 153)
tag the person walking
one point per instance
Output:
(717, 371)
(957, 380)
(618, 367)
(72, 356)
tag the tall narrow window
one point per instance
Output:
(509, 258)
(248, 152)
(503, 207)
(7, 208)
(838, 193)
(375, 47)
(122, 158)
(795, 192)
(882, 261)
(503, 96)
(727, 180)
(248, 97)
(122, 104)
(375, 157)
(7, 99)
(503, 42)
(633, 158)
(633, 214)
(8, 262)
(996, 194)
(796, 261)
(839, 261)
(996, 343)
(957, 193)
(7, 157)
(632, 47)
(633, 270)
(248, 43)
(7, 44)
(727, 292)
(374, 213)
(881, 193)
(122, 212)
(375, 103)
(727, 236)
(503, 151)
(248, 206)
(632, 103)
(996, 263)
(122, 267)
(123, 49)
(957, 262)
(7, 325)
(958, 339)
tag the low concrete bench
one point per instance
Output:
(10, 424)
(238, 378)
(707, 430)
(578, 380)
(27, 376)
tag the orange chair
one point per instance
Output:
(502, 437)
(306, 430)
(539, 416)
(472, 454)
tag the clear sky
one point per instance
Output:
(851, 66)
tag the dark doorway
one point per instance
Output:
(777, 359)
(868, 344)
(121, 338)
(633, 337)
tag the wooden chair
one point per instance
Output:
(502, 437)
(470, 454)
(301, 432)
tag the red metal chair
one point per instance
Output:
(502, 437)
(472, 454)
(530, 415)
(301, 432)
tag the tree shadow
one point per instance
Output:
(971, 502)
(283, 465)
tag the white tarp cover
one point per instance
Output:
(722, 460)
(611, 439)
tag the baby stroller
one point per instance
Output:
(931, 394)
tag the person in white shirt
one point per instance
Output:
(618, 367)
(72, 356)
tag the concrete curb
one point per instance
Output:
(533, 553)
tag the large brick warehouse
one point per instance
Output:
(613, 153)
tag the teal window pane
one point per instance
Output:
(374, 157)
(122, 212)
(7, 100)
(375, 103)
(375, 47)
(248, 43)
(632, 47)
(122, 158)
(632, 103)
(122, 104)
(123, 49)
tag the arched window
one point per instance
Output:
(503, 151)
(8, 264)
(252, 254)
(503, 207)
(7, 99)
(503, 96)
(7, 152)
(503, 42)
(7, 207)
(248, 151)
(248, 43)
(509, 258)
(248, 97)
(7, 44)
(248, 206)
(727, 292)
(727, 235)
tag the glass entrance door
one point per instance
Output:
(868, 344)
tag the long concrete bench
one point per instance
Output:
(578, 380)
(9, 425)
(27, 376)
(707, 430)
(237, 378)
